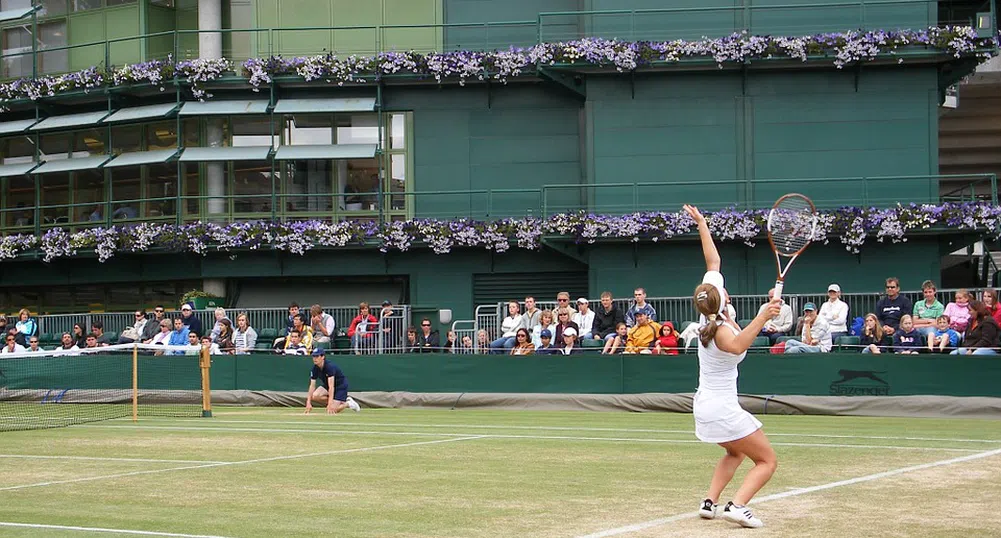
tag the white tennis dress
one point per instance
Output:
(718, 415)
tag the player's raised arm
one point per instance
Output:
(708, 247)
(309, 396)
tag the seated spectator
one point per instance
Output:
(91, 342)
(224, 340)
(220, 314)
(640, 305)
(927, 312)
(152, 327)
(465, 345)
(667, 341)
(132, 334)
(79, 335)
(617, 344)
(3, 324)
(451, 342)
(873, 340)
(531, 317)
(412, 340)
(545, 322)
(213, 346)
(563, 323)
(907, 340)
(26, 326)
(944, 336)
(563, 301)
(428, 341)
(33, 345)
(606, 318)
(546, 343)
(523, 346)
(981, 332)
(293, 311)
(641, 336)
(67, 347)
(778, 326)
(584, 318)
(189, 319)
(194, 343)
(509, 328)
(294, 345)
(959, 311)
(161, 338)
(322, 324)
(97, 329)
(990, 299)
(835, 311)
(892, 306)
(816, 336)
(362, 329)
(11, 345)
(244, 337)
(305, 333)
(570, 346)
(179, 336)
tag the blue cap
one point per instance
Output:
(318, 352)
(546, 333)
(809, 306)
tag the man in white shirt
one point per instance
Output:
(11, 345)
(835, 311)
(779, 325)
(584, 318)
(68, 347)
(33, 346)
(816, 337)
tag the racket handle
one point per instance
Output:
(778, 289)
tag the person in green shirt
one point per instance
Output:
(927, 311)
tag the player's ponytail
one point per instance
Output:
(707, 302)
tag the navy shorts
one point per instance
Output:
(341, 394)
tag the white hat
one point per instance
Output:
(834, 287)
(582, 301)
(569, 331)
(185, 306)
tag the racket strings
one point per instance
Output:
(791, 225)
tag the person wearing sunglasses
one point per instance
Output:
(892, 306)
(523, 344)
(427, 340)
(11, 345)
(33, 346)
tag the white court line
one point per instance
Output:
(102, 530)
(794, 493)
(232, 463)
(507, 436)
(574, 428)
(91, 458)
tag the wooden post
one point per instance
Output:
(135, 383)
(205, 362)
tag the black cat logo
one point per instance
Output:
(848, 375)
(860, 383)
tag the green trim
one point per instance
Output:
(70, 165)
(226, 153)
(335, 151)
(85, 119)
(142, 157)
(224, 108)
(296, 106)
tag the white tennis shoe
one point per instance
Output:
(353, 404)
(708, 509)
(741, 515)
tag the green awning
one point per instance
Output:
(69, 165)
(336, 151)
(16, 14)
(15, 127)
(296, 106)
(9, 170)
(223, 108)
(142, 113)
(70, 120)
(241, 153)
(142, 157)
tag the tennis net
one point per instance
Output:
(51, 389)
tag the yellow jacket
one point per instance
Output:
(640, 337)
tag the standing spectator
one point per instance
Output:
(907, 340)
(926, 312)
(584, 318)
(360, 330)
(11, 345)
(153, 325)
(779, 325)
(67, 347)
(892, 306)
(79, 336)
(546, 343)
(990, 298)
(179, 336)
(959, 311)
(545, 323)
(509, 328)
(667, 341)
(531, 316)
(428, 340)
(835, 311)
(225, 337)
(33, 345)
(570, 346)
(220, 314)
(386, 320)
(873, 340)
(26, 326)
(293, 344)
(323, 325)
(816, 337)
(190, 320)
(135, 332)
(244, 337)
(944, 337)
(617, 344)
(97, 329)
(523, 345)
(639, 305)
(563, 322)
(641, 336)
(981, 332)
(606, 317)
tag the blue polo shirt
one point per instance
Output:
(322, 373)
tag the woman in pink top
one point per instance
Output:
(959, 311)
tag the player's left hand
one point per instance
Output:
(330, 408)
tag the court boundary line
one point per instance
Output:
(636, 527)
(104, 530)
(232, 463)
(97, 458)
(571, 428)
(512, 436)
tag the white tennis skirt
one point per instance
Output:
(720, 419)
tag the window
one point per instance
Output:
(309, 129)
(191, 190)
(84, 5)
(17, 45)
(55, 192)
(18, 149)
(89, 143)
(357, 129)
(250, 131)
(161, 191)
(17, 42)
(19, 201)
(52, 35)
(313, 180)
(54, 146)
(126, 138)
(398, 130)
(89, 196)
(163, 134)
(251, 181)
(125, 187)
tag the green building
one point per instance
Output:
(563, 138)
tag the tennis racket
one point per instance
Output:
(792, 223)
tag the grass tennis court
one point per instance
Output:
(270, 472)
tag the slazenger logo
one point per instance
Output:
(860, 383)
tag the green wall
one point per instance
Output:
(101, 25)
(470, 12)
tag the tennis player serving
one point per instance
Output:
(333, 386)
(718, 416)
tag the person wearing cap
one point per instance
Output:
(816, 337)
(328, 386)
(584, 318)
(570, 346)
(719, 419)
(386, 320)
(545, 346)
(835, 311)
(189, 319)
(927, 312)
(641, 337)
(781, 324)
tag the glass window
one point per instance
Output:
(120, 2)
(51, 7)
(308, 186)
(164, 3)
(360, 184)
(161, 190)
(163, 134)
(126, 139)
(251, 131)
(192, 188)
(89, 143)
(55, 191)
(54, 146)
(19, 201)
(252, 179)
(125, 186)
(14, 4)
(17, 41)
(89, 196)
(398, 181)
(398, 128)
(309, 129)
(51, 35)
(18, 149)
(357, 129)
(84, 5)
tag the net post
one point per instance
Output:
(204, 362)
(135, 383)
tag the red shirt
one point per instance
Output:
(668, 344)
